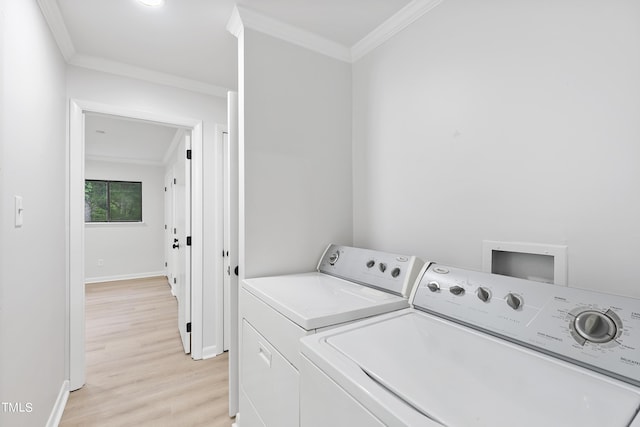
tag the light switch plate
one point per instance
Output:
(19, 211)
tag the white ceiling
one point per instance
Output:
(186, 43)
(188, 39)
(119, 139)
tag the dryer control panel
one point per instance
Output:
(389, 272)
(595, 330)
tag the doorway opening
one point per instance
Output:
(137, 221)
(79, 111)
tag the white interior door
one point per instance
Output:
(230, 281)
(232, 253)
(226, 282)
(169, 253)
(181, 245)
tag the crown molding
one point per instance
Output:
(131, 71)
(392, 26)
(52, 15)
(234, 24)
(242, 17)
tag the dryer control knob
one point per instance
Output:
(382, 266)
(483, 294)
(395, 272)
(514, 301)
(370, 263)
(456, 290)
(433, 286)
(595, 326)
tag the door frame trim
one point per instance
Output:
(75, 319)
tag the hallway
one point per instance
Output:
(137, 373)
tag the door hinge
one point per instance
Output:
(188, 240)
(189, 327)
(175, 181)
(165, 189)
(165, 264)
(188, 154)
(174, 281)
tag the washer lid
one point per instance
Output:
(460, 377)
(315, 300)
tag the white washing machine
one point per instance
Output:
(479, 349)
(349, 284)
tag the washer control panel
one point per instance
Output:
(596, 330)
(389, 272)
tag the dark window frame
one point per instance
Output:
(108, 183)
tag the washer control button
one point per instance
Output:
(457, 290)
(433, 286)
(595, 326)
(513, 301)
(440, 270)
(395, 272)
(382, 266)
(333, 258)
(483, 294)
(370, 263)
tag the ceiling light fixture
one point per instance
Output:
(152, 3)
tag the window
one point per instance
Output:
(112, 201)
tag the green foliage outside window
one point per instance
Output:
(112, 201)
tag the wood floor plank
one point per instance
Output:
(137, 372)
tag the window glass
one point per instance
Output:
(112, 201)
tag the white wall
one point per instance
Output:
(295, 149)
(32, 258)
(127, 250)
(513, 121)
(131, 94)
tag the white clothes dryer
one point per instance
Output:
(350, 284)
(479, 349)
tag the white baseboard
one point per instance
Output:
(211, 351)
(58, 407)
(124, 277)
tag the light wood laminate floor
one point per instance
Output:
(136, 371)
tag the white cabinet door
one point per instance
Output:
(268, 380)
